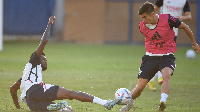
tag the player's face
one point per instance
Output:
(148, 19)
(43, 62)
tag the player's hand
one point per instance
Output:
(51, 19)
(196, 47)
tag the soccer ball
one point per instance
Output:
(190, 54)
(124, 94)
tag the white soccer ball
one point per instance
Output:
(190, 54)
(124, 94)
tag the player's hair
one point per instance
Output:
(147, 8)
(34, 52)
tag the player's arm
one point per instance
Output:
(188, 31)
(186, 17)
(13, 92)
(187, 12)
(175, 22)
(45, 36)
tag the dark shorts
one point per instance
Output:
(38, 100)
(150, 65)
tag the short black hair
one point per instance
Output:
(147, 8)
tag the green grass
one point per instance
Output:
(99, 70)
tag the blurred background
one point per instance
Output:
(83, 21)
(106, 55)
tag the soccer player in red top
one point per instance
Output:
(175, 8)
(160, 47)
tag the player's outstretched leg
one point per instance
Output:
(85, 97)
(111, 103)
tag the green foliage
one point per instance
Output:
(99, 70)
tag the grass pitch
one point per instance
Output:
(99, 70)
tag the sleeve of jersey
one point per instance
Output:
(159, 3)
(186, 7)
(35, 60)
(174, 22)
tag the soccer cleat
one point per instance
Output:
(162, 106)
(111, 103)
(57, 106)
(128, 106)
(151, 86)
(160, 80)
(67, 108)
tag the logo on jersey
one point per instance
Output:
(173, 66)
(33, 72)
(173, 8)
(140, 71)
(156, 36)
(173, 18)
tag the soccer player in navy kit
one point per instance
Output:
(160, 47)
(40, 96)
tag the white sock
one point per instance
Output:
(159, 74)
(163, 97)
(99, 101)
(132, 101)
(152, 80)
